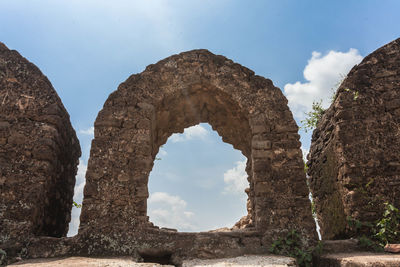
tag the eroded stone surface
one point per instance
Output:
(360, 259)
(354, 160)
(244, 261)
(393, 248)
(41, 150)
(39, 154)
(249, 260)
(86, 262)
(247, 110)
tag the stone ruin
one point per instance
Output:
(247, 110)
(354, 146)
(39, 153)
(354, 160)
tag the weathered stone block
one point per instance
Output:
(262, 144)
(262, 154)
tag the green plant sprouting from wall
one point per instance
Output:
(76, 205)
(383, 231)
(305, 167)
(291, 246)
(313, 116)
(388, 227)
(355, 93)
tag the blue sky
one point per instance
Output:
(87, 48)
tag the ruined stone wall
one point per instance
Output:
(39, 153)
(354, 160)
(247, 110)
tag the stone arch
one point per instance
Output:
(247, 110)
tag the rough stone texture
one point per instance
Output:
(393, 248)
(341, 246)
(360, 259)
(348, 253)
(39, 154)
(86, 262)
(354, 160)
(247, 110)
(156, 244)
(248, 261)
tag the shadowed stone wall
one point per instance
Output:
(247, 110)
(354, 160)
(39, 153)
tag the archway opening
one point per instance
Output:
(246, 110)
(198, 183)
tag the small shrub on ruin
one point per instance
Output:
(385, 230)
(290, 246)
(312, 117)
(76, 205)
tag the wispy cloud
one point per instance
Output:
(80, 182)
(89, 131)
(236, 179)
(191, 133)
(322, 74)
(166, 210)
(162, 152)
(305, 152)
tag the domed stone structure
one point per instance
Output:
(39, 153)
(354, 160)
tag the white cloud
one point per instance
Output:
(170, 211)
(162, 197)
(194, 132)
(162, 152)
(236, 179)
(322, 74)
(305, 152)
(80, 182)
(78, 198)
(89, 131)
